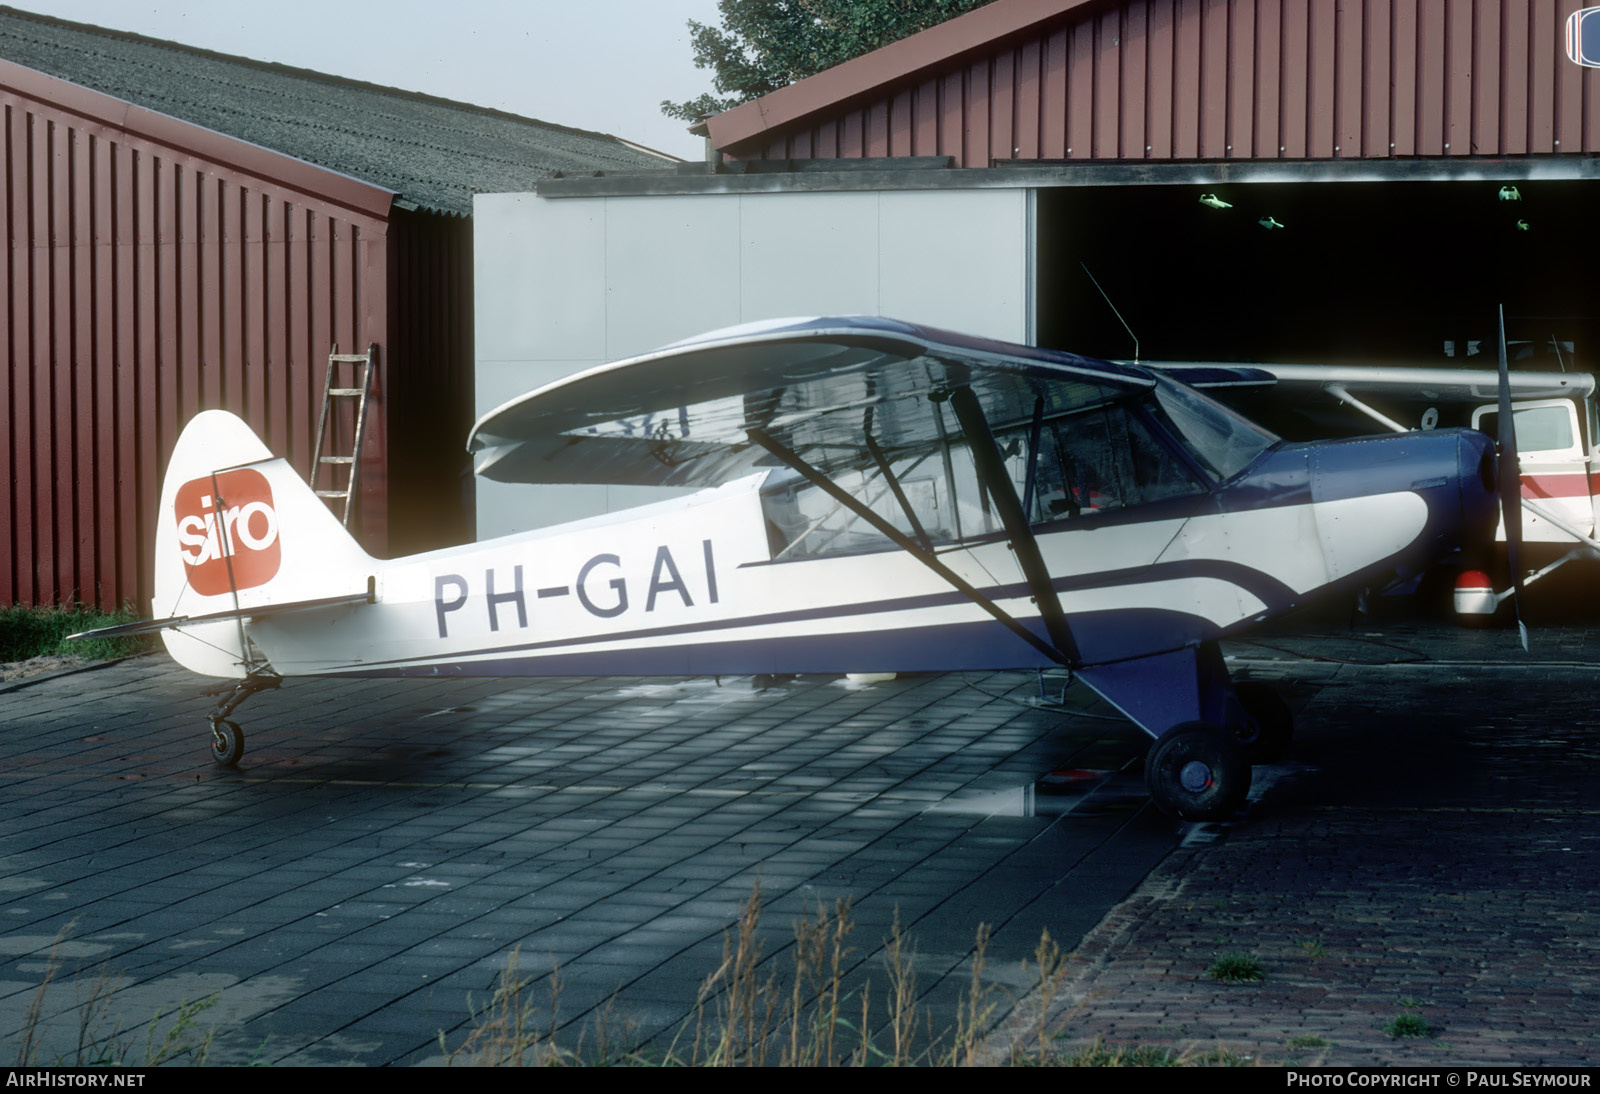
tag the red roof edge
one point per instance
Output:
(889, 64)
(141, 123)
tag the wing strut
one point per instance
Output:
(992, 473)
(905, 543)
(887, 472)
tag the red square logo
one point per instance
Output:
(227, 522)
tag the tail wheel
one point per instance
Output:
(1198, 771)
(1268, 738)
(227, 743)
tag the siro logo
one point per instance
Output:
(223, 520)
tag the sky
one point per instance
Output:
(594, 64)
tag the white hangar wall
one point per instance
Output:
(565, 283)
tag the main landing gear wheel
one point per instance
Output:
(1197, 772)
(227, 743)
(1269, 739)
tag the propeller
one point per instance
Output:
(1511, 486)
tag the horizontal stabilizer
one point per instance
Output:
(154, 626)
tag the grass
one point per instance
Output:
(803, 1012)
(1101, 1055)
(167, 1038)
(751, 1012)
(1408, 1023)
(1236, 968)
(35, 632)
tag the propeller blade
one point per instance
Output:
(1510, 485)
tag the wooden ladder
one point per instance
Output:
(359, 391)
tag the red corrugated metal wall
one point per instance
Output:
(1236, 79)
(142, 284)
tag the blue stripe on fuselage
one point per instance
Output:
(1271, 592)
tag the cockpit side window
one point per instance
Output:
(803, 521)
(1098, 461)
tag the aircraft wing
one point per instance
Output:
(678, 416)
(1445, 385)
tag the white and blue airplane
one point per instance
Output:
(877, 497)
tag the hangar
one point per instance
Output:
(1381, 173)
(188, 230)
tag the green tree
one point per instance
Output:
(763, 45)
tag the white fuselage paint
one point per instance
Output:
(696, 572)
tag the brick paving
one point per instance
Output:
(1434, 850)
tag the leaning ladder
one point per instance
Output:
(359, 391)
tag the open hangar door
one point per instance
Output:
(1400, 274)
(1352, 273)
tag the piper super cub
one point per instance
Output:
(879, 497)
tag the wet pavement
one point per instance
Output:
(354, 889)
(1428, 862)
(1429, 849)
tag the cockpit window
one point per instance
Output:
(1098, 461)
(803, 521)
(1224, 443)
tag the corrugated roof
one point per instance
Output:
(433, 152)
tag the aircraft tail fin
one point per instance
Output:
(239, 534)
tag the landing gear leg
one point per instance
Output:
(227, 739)
(1198, 768)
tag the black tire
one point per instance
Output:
(227, 743)
(1268, 739)
(1197, 772)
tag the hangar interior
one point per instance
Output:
(1391, 273)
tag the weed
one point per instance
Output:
(1313, 949)
(33, 632)
(743, 1005)
(899, 963)
(1408, 1023)
(167, 1039)
(1221, 1056)
(744, 1016)
(1051, 965)
(176, 1042)
(1101, 1055)
(974, 1012)
(1309, 1040)
(821, 951)
(506, 1031)
(1236, 968)
(32, 1021)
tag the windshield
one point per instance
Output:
(1222, 441)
